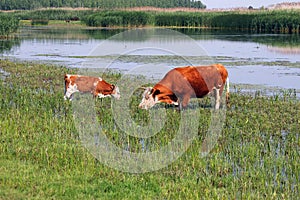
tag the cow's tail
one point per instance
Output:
(227, 91)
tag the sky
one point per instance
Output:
(241, 3)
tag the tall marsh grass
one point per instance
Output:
(8, 24)
(52, 14)
(263, 21)
(41, 156)
(255, 21)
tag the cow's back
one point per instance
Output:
(196, 80)
(193, 81)
(86, 84)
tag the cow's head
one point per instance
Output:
(115, 92)
(151, 96)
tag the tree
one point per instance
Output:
(33, 4)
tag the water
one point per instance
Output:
(258, 59)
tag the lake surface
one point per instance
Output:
(261, 60)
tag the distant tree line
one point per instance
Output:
(105, 4)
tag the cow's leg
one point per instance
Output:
(184, 102)
(221, 90)
(217, 98)
(71, 96)
(95, 94)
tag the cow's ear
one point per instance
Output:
(155, 92)
(112, 87)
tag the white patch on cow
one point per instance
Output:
(148, 101)
(100, 79)
(156, 100)
(116, 93)
(100, 95)
(95, 84)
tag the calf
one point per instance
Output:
(87, 84)
(181, 84)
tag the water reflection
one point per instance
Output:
(45, 32)
(285, 50)
(7, 45)
(251, 58)
(279, 40)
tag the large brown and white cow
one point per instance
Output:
(88, 84)
(181, 84)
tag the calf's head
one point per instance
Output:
(115, 92)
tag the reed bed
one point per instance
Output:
(262, 21)
(287, 21)
(41, 156)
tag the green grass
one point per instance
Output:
(41, 156)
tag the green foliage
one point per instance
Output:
(103, 4)
(8, 24)
(41, 156)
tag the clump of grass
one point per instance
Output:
(36, 22)
(42, 157)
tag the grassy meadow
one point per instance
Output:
(41, 156)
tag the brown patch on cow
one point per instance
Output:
(104, 88)
(163, 94)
